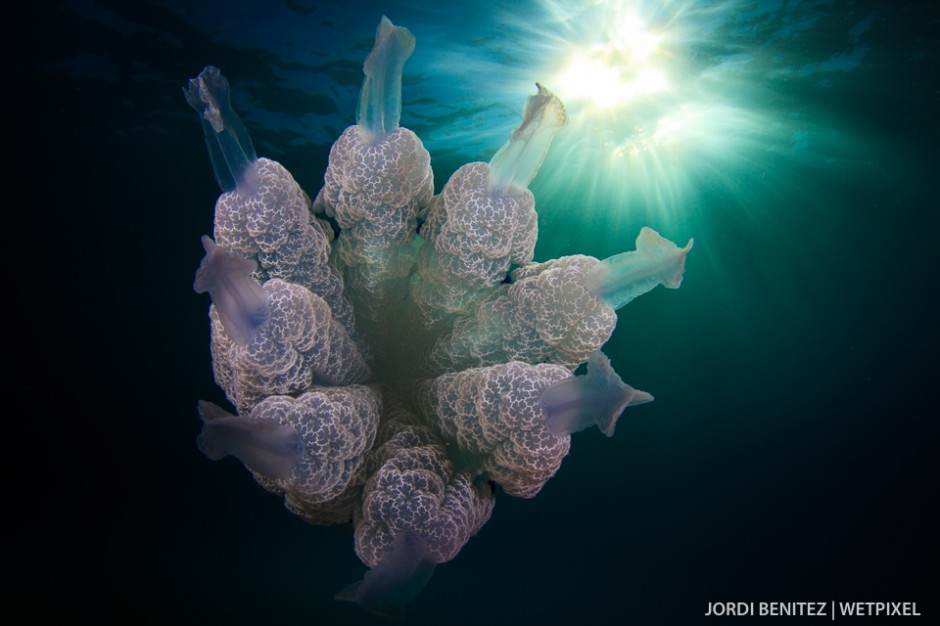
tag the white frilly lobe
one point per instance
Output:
(299, 345)
(270, 221)
(309, 449)
(472, 240)
(493, 414)
(337, 426)
(484, 220)
(546, 314)
(374, 191)
(379, 177)
(415, 487)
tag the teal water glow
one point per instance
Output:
(790, 453)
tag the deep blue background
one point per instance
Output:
(790, 453)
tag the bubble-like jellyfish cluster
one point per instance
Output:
(394, 357)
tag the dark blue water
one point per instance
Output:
(790, 454)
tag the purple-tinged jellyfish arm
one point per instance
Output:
(308, 449)
(415, 489)
(484, 219)
(263, 213)
(238, 298)
(598, 398)
(395, 580)
(514, 166)
(493, 417)
(230, 147)
(545, 315)
(380, 97)
(264, 445)
(299, 345)
(656, 261)
(379, 178)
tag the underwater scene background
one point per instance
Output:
(790, 454)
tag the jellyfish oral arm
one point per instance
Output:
(380, 97)
(514, 166)
(265, 446)
(237, 296)
(230, 148)
(656, 261)
(596, 399)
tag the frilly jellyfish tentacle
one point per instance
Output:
(337, 426)
(375, 192)
(596, 399)
(264, 445)
(493, 414)
(230, 147)
(263, 214)
(310, 449)
(559, 311)
(484, 220)
(656, 261)
(514, 166)
(379, 177)
(237, 297)
(298, 346)
(395, 580)
(545, 315)
(380, 97)
(416, 511)
(415, 485)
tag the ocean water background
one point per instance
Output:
(790, 454)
